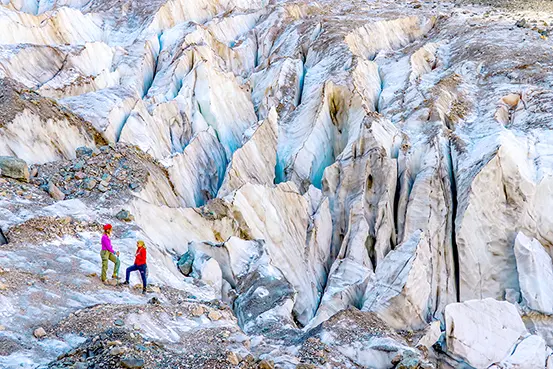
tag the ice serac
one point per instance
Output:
(530, 353)
(482, 332)
(107, 110)
(255, 161)
(401, 291)
(336, 99)
(425, 201)
(295, 244)
(37, 129)
(535, 272)
(263, 296)
(198, 172)
(161, 132)
(361, 194)
(367, 40)
(500, 193)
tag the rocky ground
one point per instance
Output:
(319, 184)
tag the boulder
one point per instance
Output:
(132, 363)
(482, 332)
(39, 332)
(15, 168)
(535, 273)
(185, 263)
(124, 215)
(55, 192)
(83, 151)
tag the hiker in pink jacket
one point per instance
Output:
(107, 253)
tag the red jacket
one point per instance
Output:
(140, 258)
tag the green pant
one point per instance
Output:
(106, 255)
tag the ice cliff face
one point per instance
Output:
(322, 184)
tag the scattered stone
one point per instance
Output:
(3, 286)
(106, 178)
(78, 165)
(83, 151)
(79, 175)
(90, 184)
(124, 215)
(154, 301)
(134, 186)
(2, 328)
(214, 315)
(55, 192)
(521, 23)
(232, 358)
(34, 172)
(103, 187)
(117, 351)
(39, 332)
(132, 363)
(15, 168)
(119, 322)
(198, 310)
(266, 364)
(154, 289)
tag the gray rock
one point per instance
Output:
(117, 351)
(185, 263)
(39, 332)
(78, 165)
(15, 168)
(55, 192)
(90, 184)
(83, 151)
(119, 322)
(124, 215)
(132, 362)
(3, 239)
(102, 187)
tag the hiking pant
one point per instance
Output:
(106, 255)
(142, 269)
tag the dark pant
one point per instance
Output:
(142, 269)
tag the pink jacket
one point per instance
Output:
(106, 244)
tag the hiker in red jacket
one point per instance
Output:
(139, 264)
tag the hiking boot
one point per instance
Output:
(125, 283)
(143, 291)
